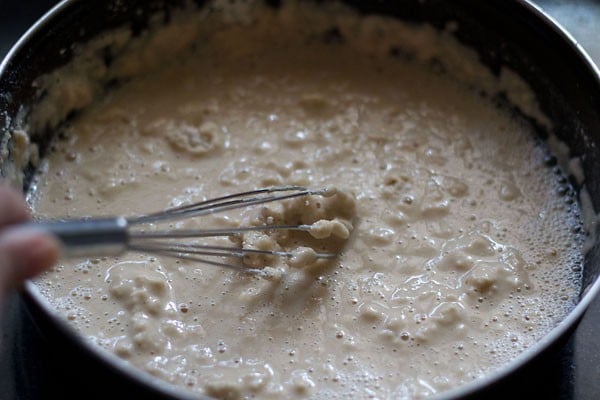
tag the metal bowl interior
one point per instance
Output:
(504, 33)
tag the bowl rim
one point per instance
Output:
(33, 295)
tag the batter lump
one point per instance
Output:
(456, 252)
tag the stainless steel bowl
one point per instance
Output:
(505, 33)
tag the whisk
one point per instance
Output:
(112, 236)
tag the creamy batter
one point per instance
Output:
(464, 249)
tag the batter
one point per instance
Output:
(457, 252)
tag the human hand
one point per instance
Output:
(23, 253)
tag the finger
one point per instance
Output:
(25, 254)
(12, 206)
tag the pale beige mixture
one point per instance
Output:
(462, 253)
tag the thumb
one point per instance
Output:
(24, 254)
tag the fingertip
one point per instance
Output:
(44, 254)
(25, 254)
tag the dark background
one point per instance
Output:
(571, 371)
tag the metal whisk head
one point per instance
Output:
(92, 237)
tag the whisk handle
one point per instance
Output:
(90, 237)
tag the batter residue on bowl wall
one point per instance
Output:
(462, 254)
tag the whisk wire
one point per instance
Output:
(225, 203)
(207, 232)
(212, 250)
